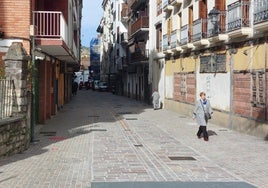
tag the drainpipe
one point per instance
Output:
(265, 79)
(232, 51)
(33, 86)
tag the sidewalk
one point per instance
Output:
(100, 138)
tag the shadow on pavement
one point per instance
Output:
(83, 115)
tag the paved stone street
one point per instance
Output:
(100, 137)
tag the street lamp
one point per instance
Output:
(214, 18)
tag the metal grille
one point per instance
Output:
(7, 97)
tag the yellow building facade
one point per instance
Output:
(218, 47)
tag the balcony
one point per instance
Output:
(186, 37)
(124, 39)
(175, 41)
(260, 15)
(159, 8)
(166, 6)
(238, 23)
(53, 37)
(175, 2)
(217, 32)
(135, 4)
(140, 26)
(166, 44)
(124, 13)
(200, 32)
(140, 56)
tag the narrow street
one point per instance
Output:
(100, 138)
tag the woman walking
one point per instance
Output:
(202, 113)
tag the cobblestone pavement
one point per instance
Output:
(100, 137)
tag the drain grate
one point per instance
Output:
(138, 145)
(125, 112)
(101, 130)
(131, 118)
(182, 158)
(48, 133)
(94, 116)
(223, 130)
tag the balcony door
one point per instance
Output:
(203, 9)
(221, 6)
(190, 23)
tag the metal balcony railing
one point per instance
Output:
(186, 34)
(199, 29)
(142, 22)
(166, 42)
(260, 11)
(175, 38)
(140, 55)
(217, 28)
(238, 15)
(51, 24)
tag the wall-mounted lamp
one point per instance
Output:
(245, 52)
(214, 16)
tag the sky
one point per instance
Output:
(91, 16)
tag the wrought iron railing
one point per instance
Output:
(186, 34)
(238, 15)
(140, 55)
(142, 22)
(199, 29)
(260, 11)
(218, 27)
(7, 98)
(166, 42)
(174, 38)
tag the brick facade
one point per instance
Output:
(184, 87)
(16, 20)
(242, 99)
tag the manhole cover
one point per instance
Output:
(182, 158)
(91, 130)
(48, 133)
(131, 118)
(125, 112)
(138, 145)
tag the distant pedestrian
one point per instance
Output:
(202, 113)
(74, 88)
(156, 98)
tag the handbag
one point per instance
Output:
(207, 115)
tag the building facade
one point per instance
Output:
(219, 47)
(50, 34)
(183, 47)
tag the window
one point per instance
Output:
(213, 63)
(258, 85)
(159, 38)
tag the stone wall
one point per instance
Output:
(15, 130)
(14, 136)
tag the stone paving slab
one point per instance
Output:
(171, 185)
(102, 138)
